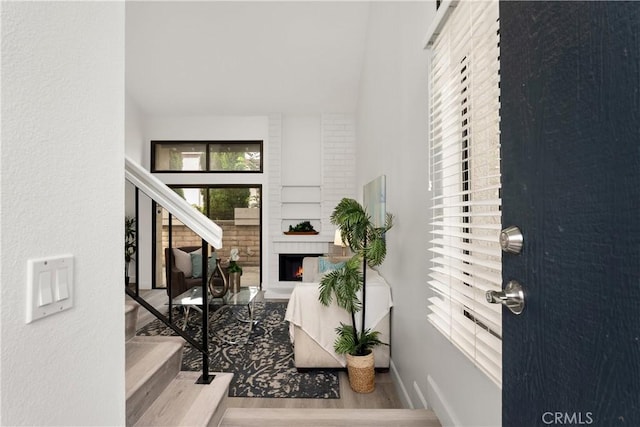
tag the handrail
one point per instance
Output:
(172, 202)
(210, 233)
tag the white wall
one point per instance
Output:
(62, 191)
(392, 140)
(136, 149)
(136, 146)
(301, 148)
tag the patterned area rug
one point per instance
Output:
(264, 367)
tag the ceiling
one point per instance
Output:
(209, 57)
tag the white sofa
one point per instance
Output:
(312, 325)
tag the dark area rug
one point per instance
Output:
(264, 366)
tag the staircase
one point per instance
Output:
(285, 417)
(157, 392)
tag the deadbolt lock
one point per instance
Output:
(511, 240)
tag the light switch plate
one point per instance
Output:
(49, 286)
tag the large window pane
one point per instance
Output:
(237, 211)
(234, 208)
(179, 157)
(224, 201)
(235, 156)
(193, 195)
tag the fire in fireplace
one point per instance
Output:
(291, 267)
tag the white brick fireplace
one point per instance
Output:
(306, 182)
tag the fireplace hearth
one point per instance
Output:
(291, 266)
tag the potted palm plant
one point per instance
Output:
(369, 247)
(130, 245)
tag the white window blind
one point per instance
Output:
(465, 169)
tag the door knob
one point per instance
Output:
(511, 240)
(511, 297)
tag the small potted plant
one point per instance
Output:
(343, 284)
(304, 227)
(130, 245)
(235, 271)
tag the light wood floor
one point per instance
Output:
(383, 397)
(324, 417)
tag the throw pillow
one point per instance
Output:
(196, 264)
(325, 265)
(182, 260)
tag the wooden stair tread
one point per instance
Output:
(281, 417)
(130, 306)
(151, 364)
(130, 319)
(145, 357)
(185, 403)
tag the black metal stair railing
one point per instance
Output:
(201, 346)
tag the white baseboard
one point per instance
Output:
(404, 396)
(439, 404)
(416, 387)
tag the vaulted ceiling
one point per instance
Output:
(210, 57)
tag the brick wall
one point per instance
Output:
(338, 163)
(274, 171)
(244, 237)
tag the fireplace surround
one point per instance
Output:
(290, 266)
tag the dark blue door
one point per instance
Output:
(570, 135)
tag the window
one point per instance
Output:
(465, 174)
(206, 156)
(234, 207)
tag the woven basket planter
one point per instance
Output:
(362, 373)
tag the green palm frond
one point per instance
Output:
(352, 219)
(375, 252)
(347, 290)
(376, 249)
(328, 285)
(348, 341)
(343, 283)
(368, 340)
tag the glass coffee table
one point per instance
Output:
(248, 296)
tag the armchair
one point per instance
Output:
(178, 271)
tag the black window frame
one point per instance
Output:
(207, 143)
